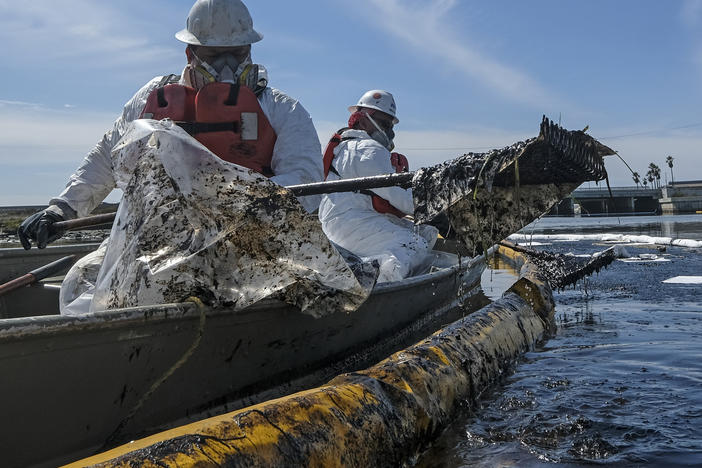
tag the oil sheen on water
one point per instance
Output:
(621, 381)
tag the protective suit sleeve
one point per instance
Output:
(373, 159)
(94, 180)
(297, 155)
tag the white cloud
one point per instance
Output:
(282, 40)
(5, 103)
(426, 148)
(424, 27)
(76, 33)
(33, 134)
(40, 148)
(691, 17)
(684, 146)
(691, 13)
(637, 151)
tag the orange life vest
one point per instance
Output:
(380, 204)
(226, 118)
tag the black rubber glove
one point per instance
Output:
(38, 228)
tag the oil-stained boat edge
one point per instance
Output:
(77, 383)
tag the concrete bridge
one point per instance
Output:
(675, 198)
(684, 196)
(623, 200)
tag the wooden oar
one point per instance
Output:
(37, 275)
(403, 179)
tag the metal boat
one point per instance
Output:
(74, 385)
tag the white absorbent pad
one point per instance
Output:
(192, 224)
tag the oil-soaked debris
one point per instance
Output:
(562, 270)
(191, 224)
(483, 197)
(556, 383)
(592, 447)
(546, 431)
(512, 403)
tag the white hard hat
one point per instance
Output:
(219, 23)
(379, 100)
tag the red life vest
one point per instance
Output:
(226, 118)
(380, 204)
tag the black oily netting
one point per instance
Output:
(556, 156)
(483, 197)
(560, 270)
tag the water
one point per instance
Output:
(621, 381)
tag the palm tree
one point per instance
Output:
(654, 173)
(636, 177)
(657, 174)
(669, 162)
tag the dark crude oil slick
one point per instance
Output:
(619, 384)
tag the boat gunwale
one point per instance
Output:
(17, 328)
(19, 252)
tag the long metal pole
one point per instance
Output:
(402, 179)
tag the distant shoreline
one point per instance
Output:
(12, 216)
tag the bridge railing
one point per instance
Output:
(617, 191)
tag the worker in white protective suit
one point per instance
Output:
(371, 223)
(222, 99)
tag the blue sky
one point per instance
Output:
(467, 75)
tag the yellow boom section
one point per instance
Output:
(377, 417)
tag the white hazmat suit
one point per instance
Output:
(296, 155)
(349, 220)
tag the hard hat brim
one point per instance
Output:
(353, 109)
(187, 37)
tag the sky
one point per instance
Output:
(468, 76)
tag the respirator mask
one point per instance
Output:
(224, 68)
(383, 136)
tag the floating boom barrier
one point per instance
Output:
(381, 416)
